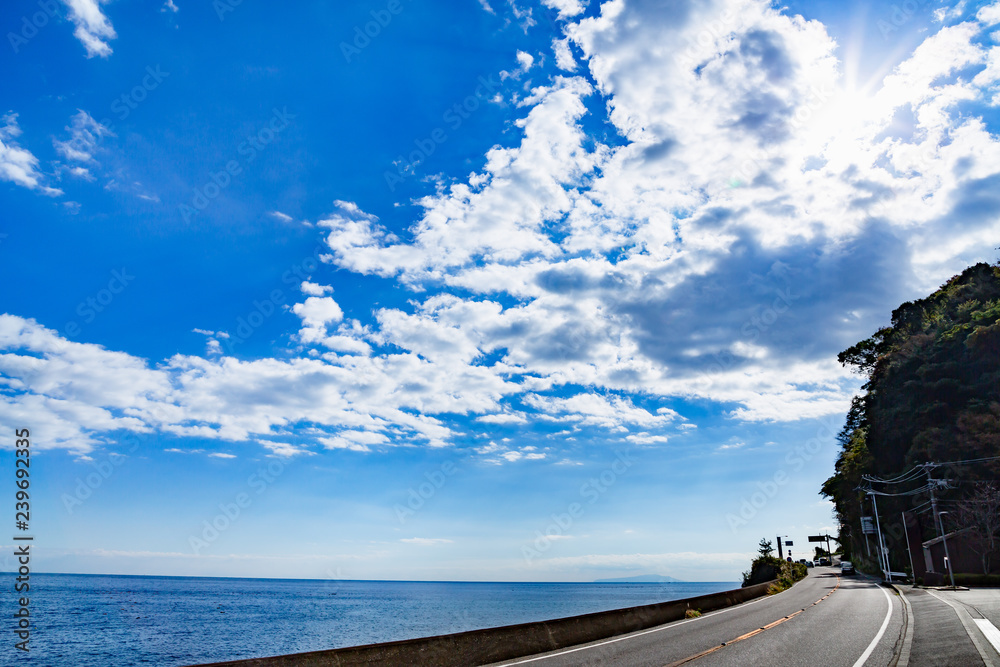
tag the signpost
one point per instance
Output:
(822, 538)
(866, 528)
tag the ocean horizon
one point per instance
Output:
(425, 581)
(117, 620)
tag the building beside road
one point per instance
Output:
(928, 553)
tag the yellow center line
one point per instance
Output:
(753, 632)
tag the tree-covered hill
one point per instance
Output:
(932, 395)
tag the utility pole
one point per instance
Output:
(868, 548)
(937, 518)
(946, 558)
(780, 556)
(883, 556)
(906, 534)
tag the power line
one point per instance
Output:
(967, 461)
(916, 471)
(905, 477)
(925, 487)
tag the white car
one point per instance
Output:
(846, 567)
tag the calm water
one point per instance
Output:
(95, 620)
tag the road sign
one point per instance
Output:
(867, 526)
(788, 543)
(818, 538)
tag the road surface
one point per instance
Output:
(953, 628)
(825, 619)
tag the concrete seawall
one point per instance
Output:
(480, 647)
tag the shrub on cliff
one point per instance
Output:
(763, 568)
(789, 574)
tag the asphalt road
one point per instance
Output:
(831, 621)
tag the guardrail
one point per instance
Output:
(480, 647)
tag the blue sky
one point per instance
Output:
(501, 290)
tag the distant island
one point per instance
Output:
(641, 579)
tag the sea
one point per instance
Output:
(107, 621)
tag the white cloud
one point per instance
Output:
(170, 6)
(425, 541)
(17, 164)
(79, 391)
(566, 8)
(355, 441)
(212, 345)
(647, 438)
(222, 455)
(93, 28)
(313, 289)
(283, 449)
(85, 133)
(525, 60)
(318, 311)
(499, 454)
(592, 409)
(759, 215)
(615, 276)
(503, 418)
(499, 219)
(524, 63)
(564, 55)
(568, 462)
(82, 172)
(732, 445)
(278, 215)
(989, 15)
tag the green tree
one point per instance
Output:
(765, 549)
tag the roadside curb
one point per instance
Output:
(903, 659)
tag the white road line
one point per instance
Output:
(990, 631)
(743, 605)
(885, 624)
